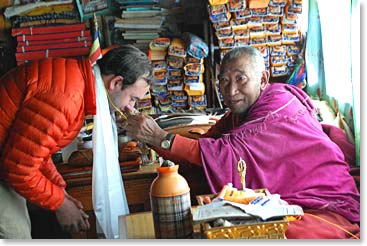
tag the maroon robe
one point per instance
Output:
(286, 151)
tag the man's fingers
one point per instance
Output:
(84, 214)
(84, 225)
(86, 221)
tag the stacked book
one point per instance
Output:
(140, 22)
(38, 42)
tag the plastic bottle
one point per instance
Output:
(171, 204)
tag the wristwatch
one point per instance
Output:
(167, 141)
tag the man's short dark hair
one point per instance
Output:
(127, 61)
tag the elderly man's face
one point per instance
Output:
(241, 83)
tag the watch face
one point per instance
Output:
(165, 144)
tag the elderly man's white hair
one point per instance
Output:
(245, 51)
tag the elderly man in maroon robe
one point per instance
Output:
(274, 129)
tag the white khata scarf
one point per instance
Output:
(108, 193)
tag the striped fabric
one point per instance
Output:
(95, 51)
(172, 216)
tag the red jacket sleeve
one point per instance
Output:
(49, 170)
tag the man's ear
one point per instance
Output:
(115, 83)
(265, 75)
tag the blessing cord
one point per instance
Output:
(331, 223)
(123, 115)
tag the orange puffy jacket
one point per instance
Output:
(42, 109)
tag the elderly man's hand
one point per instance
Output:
(144, 128)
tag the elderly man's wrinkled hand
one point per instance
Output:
(144, 128)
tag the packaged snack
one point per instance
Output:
(174, 87)
(194, 69)
(159, 65)
(195, 46)
(240, 41)
(197, 98)
(292, 19)
(289, 28)
(177, 48)
(242, 14)
(175, 73)
(278, 50)
(274, 40)
(175, 62)
(198, 102)
(241, 33)
(193, 79)
(156, 55)
(196, 89)
(239, 24)
(160, 43)
(236, 5)
(254, 4)
(178, 93)
(217, 2)
(277, 71)
(191, 59)
(290, 38)
(275, 11)
(257, 31)
(293, 50)
(259, 12)
(295, 8)
(258, 41)
(179, 104)
(270, 19)
(159, 74)
(226, 42)
(255, 21)
(218, 13)
(144, 104)
(278, 61)
(158, 90)
(272, 29)
(162, 81)
(221, 24)
(165, 108)
(174, 80)
(224, 32)
(280, 3)
(179, 98)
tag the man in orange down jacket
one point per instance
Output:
(274, 129)
(42, 109)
